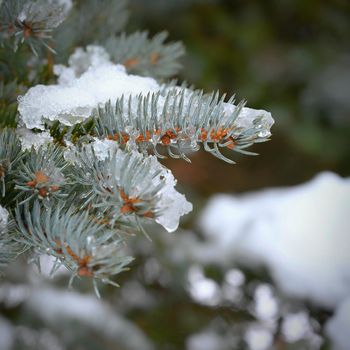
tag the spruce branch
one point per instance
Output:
(9, 247)
(129, 188)
(179, 120)
(10, 155)
(30, 22)
(144, 56)
(41, 175)
(90, 21)
(82, 245)
(8, 104)
(78, 172)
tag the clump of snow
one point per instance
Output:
(103, 148)
(4, 216)
(80, 61)
(207, 340)
(73, 102)
(30, 139)
(202, 289)
(296, 326)
(258, 337)
(235, 277)
(171, 204)
(338, 327)
(265, 303)
(7, 336)
(301, 234)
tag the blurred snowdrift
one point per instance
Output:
(301, 234)
(59, 308)
(339, 326)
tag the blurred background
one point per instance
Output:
(262, 262)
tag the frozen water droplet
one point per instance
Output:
(264, 133)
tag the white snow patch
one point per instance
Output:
(171, 203)
(235, 277)
(265, 303)
(74, 100)
(7, 336)
(206, 340)
(202, 289)
(296, 326)
(338, 327)
(4, 216)
(103, 148)
(301, 234)
(258, 337)
(80, 61)
(30, 139)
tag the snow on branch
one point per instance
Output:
(128, 186)
(136, 110)
(179, 120)
(74, 100)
